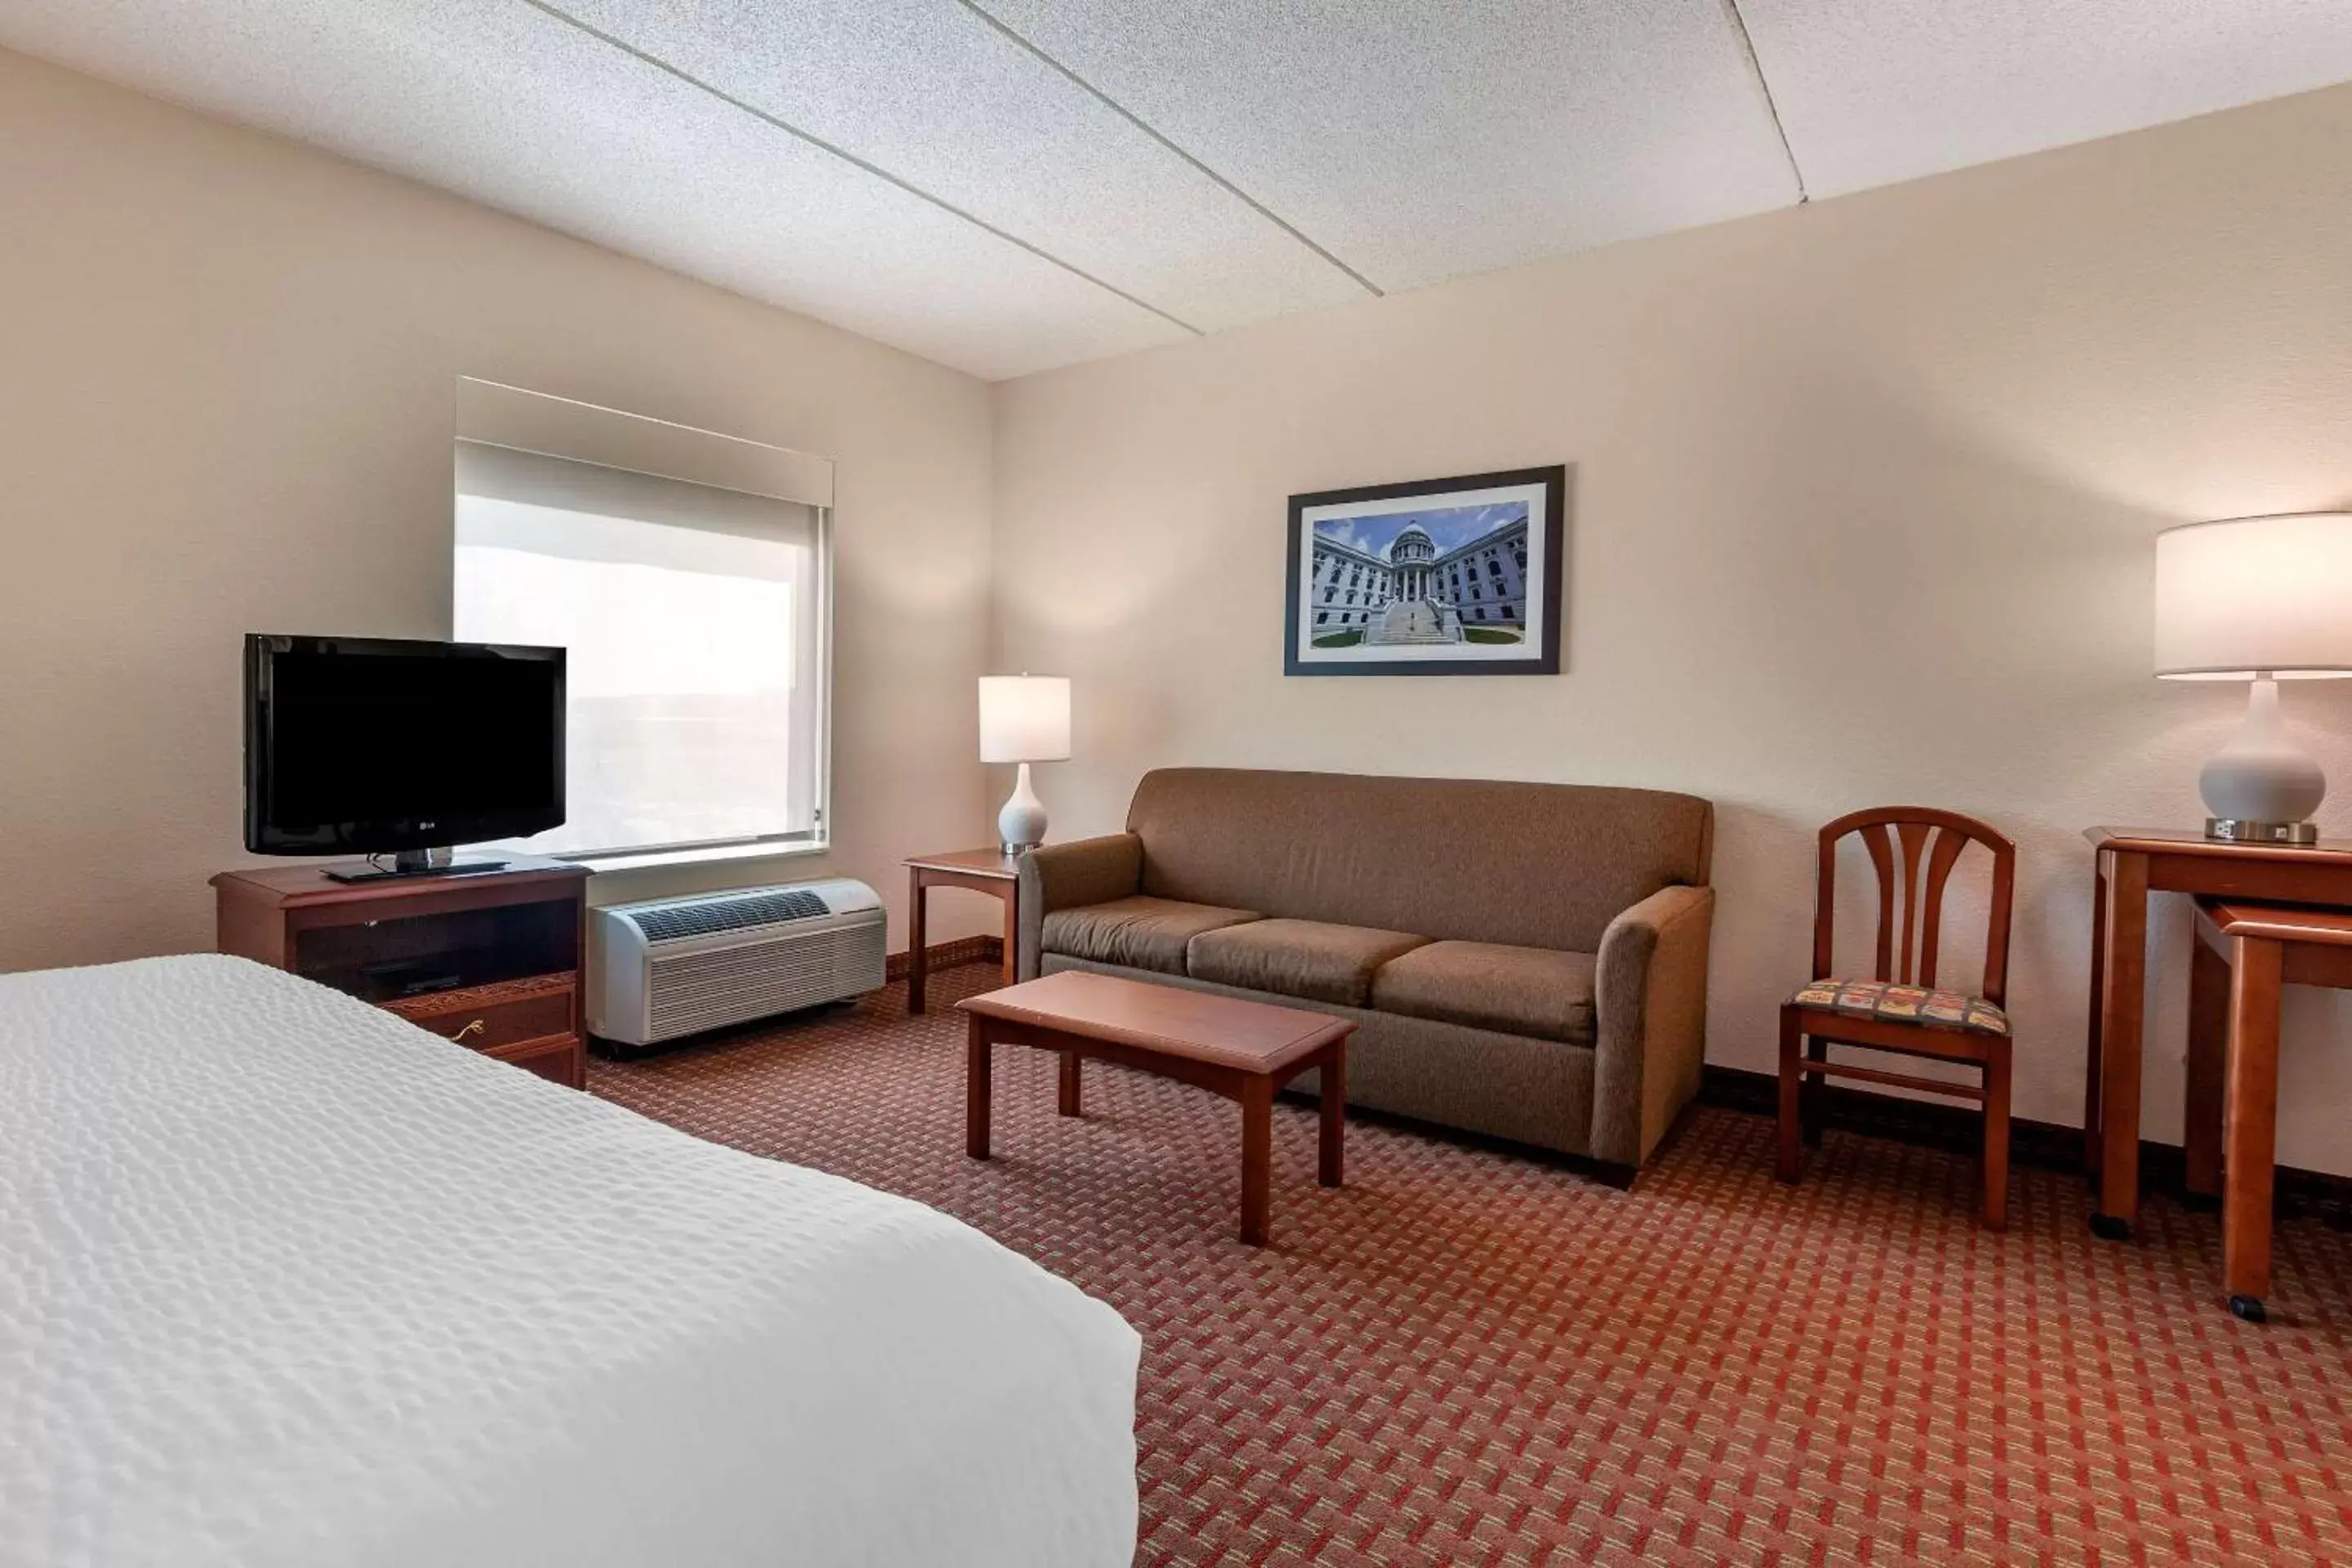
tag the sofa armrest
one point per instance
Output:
(1066, 876)
(1649, 1012)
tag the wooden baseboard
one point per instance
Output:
(951, 955)
(2045, 1145)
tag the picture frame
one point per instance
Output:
(1464, 575)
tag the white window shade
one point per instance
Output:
(695, 617)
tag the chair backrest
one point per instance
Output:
(1929, 840)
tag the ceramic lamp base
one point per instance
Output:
(1021, 824)
(2261, 788)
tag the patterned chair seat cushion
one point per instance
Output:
(1894, 1004)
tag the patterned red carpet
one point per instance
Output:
(1468, 1358)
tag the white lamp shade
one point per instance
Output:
(1025, 718)
(2255, 594)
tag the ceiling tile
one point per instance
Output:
(1420, 142)
(496, 102)
(1873, 91)
(931, 91)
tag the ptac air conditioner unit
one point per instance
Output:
(669, 967)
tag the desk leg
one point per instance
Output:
(919, 938)
(2122, 992)
(2091, 1161)
(1258, 1154)
(2208, 1039)
(1073, 1086)
(2252, 1132)
(978, 1084)
(1011, 933)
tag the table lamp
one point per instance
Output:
(2261, 599)
(1024, 719)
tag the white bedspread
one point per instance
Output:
(286, 1280)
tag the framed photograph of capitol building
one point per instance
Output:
(1460, 576)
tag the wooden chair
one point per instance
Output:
(1900, 1008)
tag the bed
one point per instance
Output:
(285, 1280)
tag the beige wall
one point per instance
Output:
(1863, 496)
(227, 372)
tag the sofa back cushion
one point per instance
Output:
(1531, 865)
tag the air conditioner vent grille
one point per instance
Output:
(696, 991)
(707, 917)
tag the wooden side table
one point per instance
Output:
(2245, 952)
(2133, 862)
(989, 872)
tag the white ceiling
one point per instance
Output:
(1004, 185)
(1873, 91)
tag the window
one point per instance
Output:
(696, 617)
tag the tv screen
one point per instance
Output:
(373, 745)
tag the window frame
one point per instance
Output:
(548, 425)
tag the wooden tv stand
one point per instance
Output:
(491, 959)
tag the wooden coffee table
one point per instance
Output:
(1242, 1050)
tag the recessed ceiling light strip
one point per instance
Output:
(789, 128)
(1149, 129)
(1748, 48)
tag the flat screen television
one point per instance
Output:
(381, 746)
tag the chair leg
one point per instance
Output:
(1814, 1098)
(1791, 1152)
(1996, 1138)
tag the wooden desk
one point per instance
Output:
(2245, 951)
(989, 872)
(2133, 862)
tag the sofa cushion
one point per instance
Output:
(1138, 933)
(1306, 959)
(1518, 990)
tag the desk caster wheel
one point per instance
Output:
(2249, 1307)
(2110, 1227)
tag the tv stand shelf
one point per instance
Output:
(489, 959)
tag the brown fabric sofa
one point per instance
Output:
(1527, 961)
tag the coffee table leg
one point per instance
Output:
(977, 1085)
(1072, 1085)
(1331, 1145)
(1258, 1154)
